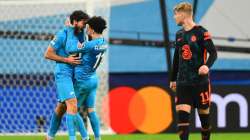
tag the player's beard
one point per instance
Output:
(77, 30)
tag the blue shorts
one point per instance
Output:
(86, 91)
(64, 87)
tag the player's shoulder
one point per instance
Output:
(62, 32)
(200, 28)
(97, 41)
(92, 42)
(103, 42)
(180, 31)
(179, 35)
(203, 32)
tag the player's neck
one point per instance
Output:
(188, 24)
(95, 36)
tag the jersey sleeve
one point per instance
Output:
(209, 46)
(58, 40)
(175, 62)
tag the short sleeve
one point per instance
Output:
(58, 40)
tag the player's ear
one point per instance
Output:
(87, 27)
(67, 22)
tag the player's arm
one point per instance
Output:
(209, 46)
(56, 44)
(175, 65)
(51, 54)
(174, 68)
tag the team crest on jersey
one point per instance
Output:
(193, 38)
(80, 45)
(186, 52)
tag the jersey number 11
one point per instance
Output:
(98, 60)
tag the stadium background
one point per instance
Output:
(136, 98)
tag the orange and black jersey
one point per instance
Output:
(190, 53)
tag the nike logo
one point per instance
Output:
(179, 39)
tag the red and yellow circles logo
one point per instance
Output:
(148, 110)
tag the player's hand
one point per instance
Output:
(173, 85)
(73, 60)
(67, 22)
(203, 70)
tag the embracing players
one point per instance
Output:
(83, 75)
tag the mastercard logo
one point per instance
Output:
(148, 110)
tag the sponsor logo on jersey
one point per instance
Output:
(186, 52)
(80, 45)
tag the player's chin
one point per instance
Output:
(173, 89)
(179, 24)
(203, 74)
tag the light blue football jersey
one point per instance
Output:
(92, 53)
(59, 43)
(64, 72)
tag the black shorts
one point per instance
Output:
(198, 96)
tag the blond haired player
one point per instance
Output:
(190, 74)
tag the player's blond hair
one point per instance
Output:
(184, 7)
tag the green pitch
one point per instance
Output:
(216, 136)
